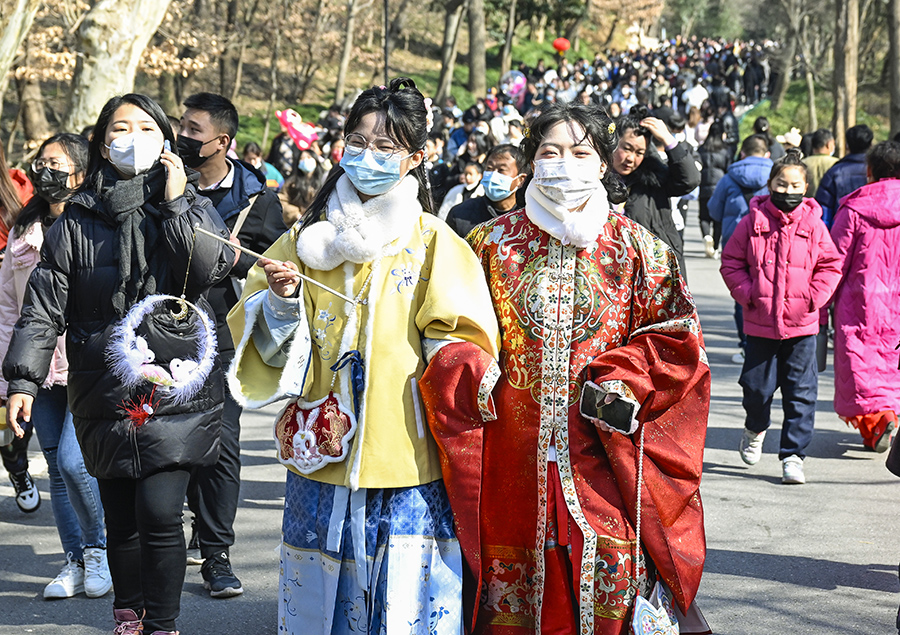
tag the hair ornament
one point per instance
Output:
(133, 362)
(526, 132)
(429, 115)
(611, 128)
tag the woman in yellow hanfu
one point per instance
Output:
(368, 539)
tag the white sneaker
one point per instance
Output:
(709, 246)
(738, 358)
(97, 581)
(28, 497)
(68, 583)
(751, 446)
(792, 471)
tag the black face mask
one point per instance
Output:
(189, 149)
(51, 184)
(786, 202)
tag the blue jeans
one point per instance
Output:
(739, 323)
(74, 494)
(791, 365)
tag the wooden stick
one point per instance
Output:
(250, 252)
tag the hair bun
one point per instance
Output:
(402, 83)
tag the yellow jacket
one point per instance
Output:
(433, 287)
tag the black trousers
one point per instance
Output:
(708, 226)
(15, 455)
(145, 544)
(214, 490)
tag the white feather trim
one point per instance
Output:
(296, 367)
(355, 231)
(131, 360)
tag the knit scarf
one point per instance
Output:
(131, 205)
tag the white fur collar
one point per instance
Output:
(579, 229)
(358, 232)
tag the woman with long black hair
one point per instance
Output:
(144, 415)
(603, 394)
(57, 171)
(368, 539)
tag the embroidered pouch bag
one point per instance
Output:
(312, 435)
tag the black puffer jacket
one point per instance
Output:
(651, 187)
(715, 165)
(71, 291)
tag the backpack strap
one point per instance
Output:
(239, 223)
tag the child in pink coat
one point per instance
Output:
(781, 267)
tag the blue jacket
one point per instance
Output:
(845, 176)
(730, 200)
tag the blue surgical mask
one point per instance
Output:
(307, 165)
(497, 186)
(372, 174)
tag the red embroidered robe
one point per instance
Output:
(620, 316)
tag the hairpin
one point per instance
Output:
(611, 128)
(526, 132)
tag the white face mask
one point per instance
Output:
(134, 153)
(569, 181)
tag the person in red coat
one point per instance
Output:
(603, 392)
(15, 191)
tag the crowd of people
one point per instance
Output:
(480, 320)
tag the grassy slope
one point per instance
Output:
(795, 113)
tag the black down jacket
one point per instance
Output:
(71, 291)
(715, 165)
(651, 187)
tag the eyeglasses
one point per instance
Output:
(355, 144)
(39, 164)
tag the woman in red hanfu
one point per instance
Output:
(602, 355)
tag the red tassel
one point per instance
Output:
(141, 409)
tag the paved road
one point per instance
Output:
(817, 558)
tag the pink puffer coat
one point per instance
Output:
(866, 232)
(23, 253)
(782, 268)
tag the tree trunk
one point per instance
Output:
(398, 22)
(167, 94)
(806, 52)
(14, 31)
(846, 66)
(452, 24)
(811, 100)
(273, 79)
(574, 30)
(31, 104)
(506, 54)
(112, 37)
(346, 51)
(612, 31)
(239, 71)
(894, 64)
(786, 64)
(539, 28)
(387, 43)
(477, 49)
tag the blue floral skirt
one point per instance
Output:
(376, 561)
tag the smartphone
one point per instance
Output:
(167, 146)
